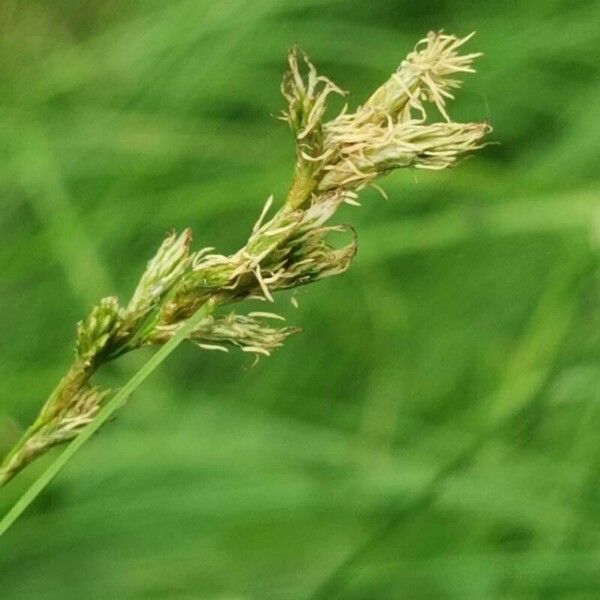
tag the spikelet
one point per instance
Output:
(391, 129)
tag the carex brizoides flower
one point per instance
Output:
(287, 247)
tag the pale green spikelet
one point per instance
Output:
(251, 333)
(94, 332)
(165, 268)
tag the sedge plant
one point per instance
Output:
(198, 295)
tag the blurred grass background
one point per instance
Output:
(434, 432)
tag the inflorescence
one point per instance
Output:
(335, 159)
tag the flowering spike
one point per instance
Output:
(94, 332)
(171, 259)
(424, 76)
(391, 129)
(334, 160)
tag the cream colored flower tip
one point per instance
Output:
(392, 129)
(424, 77)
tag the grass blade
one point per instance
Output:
(103, 415)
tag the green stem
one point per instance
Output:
(103, 415)
(18, 458)
(6, 473)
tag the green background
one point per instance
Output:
(434, 432)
